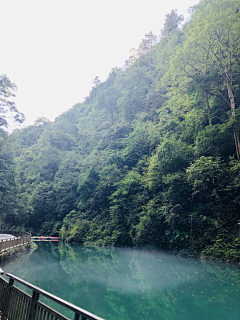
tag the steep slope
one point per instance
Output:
(151, 156)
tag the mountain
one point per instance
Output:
(151, 157)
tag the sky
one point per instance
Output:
(53, 49)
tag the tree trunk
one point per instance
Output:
(208, 107)
(232, 105)
(235, 128)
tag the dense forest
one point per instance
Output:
(150, 158)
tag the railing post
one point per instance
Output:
(11, 281)
(77, 316)
(33, 305)
(7, 299)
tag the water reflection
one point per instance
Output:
(117, 283)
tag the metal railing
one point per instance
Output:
(20, 238)
(15, 304)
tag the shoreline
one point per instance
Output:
(182, 253)
(14, 253)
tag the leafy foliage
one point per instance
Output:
(149, 158)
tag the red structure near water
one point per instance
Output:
(43, 238)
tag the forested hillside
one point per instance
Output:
(152, 156)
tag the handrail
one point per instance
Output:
(37, 291)
(16, 241)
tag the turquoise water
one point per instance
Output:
(116, 283)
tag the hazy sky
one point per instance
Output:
(53, 49)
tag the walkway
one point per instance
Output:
(6, 236)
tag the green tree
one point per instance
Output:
(172, 23)
(210, 53)
(7, 89)
(8, 186)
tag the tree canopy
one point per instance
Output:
(151, 157)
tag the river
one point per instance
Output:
(124, 284)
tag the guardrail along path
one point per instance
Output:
(16, 304)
